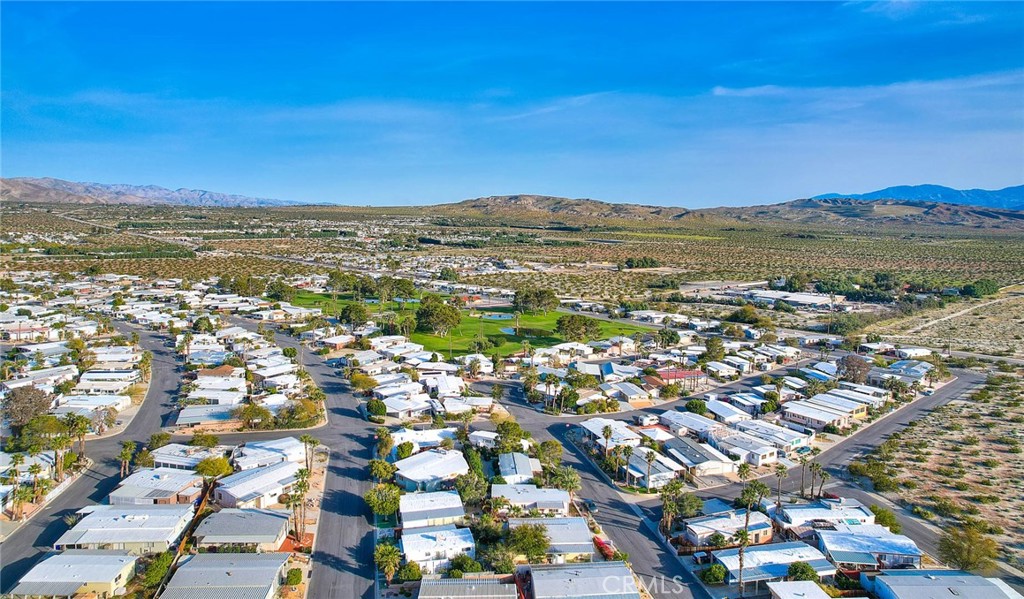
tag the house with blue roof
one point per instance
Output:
(769, 563)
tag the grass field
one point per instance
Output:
(538, 329)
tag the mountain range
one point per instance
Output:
(920, 205)
(25, 189)
(1009, 198)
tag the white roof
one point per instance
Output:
(837, 510)
(262, 453)
(257, 482)
(531, 496)
(127, 524)
(797, 589)
(79, 567)
(162, 480)
(177, 454)
(413, 503)
(589, 579)
(621, 434)
(433, 464)
(419, 543)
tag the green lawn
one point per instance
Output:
(538, 329)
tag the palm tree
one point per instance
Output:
(670, 504)
(824, 475)
(387, 557)
(627, 452)
(744, 471)
(78, 427)
(60, 445)
(35, 470)
(299, 491)
(816, 469)
(126, 454)
(751, 495)
(781, 472)
(650, 457)
(803, 471)
(606, 432)
(567, 479)
(310, 442)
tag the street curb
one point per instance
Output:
(21, 523)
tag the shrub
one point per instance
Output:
(294, 577)
(714, 574)
(376, 407)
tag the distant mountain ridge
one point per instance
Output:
(526, 204)
(1009, 198)
(831, 210)
(28, 189)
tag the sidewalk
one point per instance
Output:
(9, 527)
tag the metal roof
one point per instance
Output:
(604, 580)
(128, 524)
(232, 525)
(226, 576)
(64, 573)
(466, 588)
(566, 535)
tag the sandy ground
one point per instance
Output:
(995, 328)
(959, 461)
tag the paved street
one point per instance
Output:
(343, 557)
(28, 544)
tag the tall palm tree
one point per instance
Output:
(650, 457)
(803, 471)
(824, 475)
(78, 427)
(310, 442)
(781, 472)
(744, 471)
(35, 470)
(60, 445)
(627, 452)
(751, 495)
(816, 470)
(126, 455)
(670, 494)
(606, 432)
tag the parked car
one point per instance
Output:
(590, 505)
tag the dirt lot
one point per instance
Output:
(965, 461)
(995, 328)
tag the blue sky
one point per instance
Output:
(684, 104)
